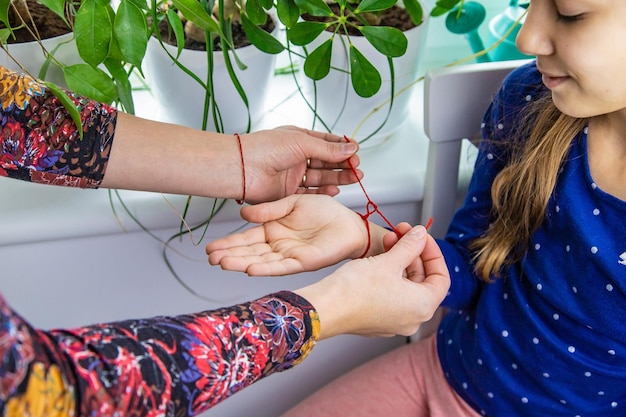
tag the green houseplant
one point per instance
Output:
(108, 42)
(360, 58)
(203, 44)
(346, 46)
(112, 38)
(357, 57)
(344, 18)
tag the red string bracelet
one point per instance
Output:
(243, 170)
(372, 208)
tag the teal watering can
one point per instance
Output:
(499, 25)
(466, 20)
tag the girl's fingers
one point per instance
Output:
(245, 251)
(247, 263)
(277, 267)
(247, 238)
(392, 238)
(408, 249)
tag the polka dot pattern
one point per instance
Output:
(548, 338)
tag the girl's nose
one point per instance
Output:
(534, 37)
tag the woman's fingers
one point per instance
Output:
(392, 238)
(267, 212)
(432, 270)
(321, 177)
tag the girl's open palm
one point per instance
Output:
(298, 233)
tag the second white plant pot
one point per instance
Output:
(346, 113)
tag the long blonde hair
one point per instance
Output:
(521, 191)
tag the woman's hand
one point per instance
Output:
(152, 156)
(391, 293)
(276, 163)
(299, 233)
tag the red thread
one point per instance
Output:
(372, 208)
(243, 170)
(369, 235)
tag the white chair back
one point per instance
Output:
(455, 101)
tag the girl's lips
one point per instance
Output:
(551, 81)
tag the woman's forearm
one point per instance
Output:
(153, 156)
(41, 143)
(179, 365)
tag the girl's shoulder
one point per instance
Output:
(508, 107)
(522, 85)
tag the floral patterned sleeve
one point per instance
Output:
(164, 366)
(39, 141)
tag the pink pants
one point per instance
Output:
(407, 382)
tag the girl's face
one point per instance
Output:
(580, 47)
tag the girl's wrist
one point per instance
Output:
(363, 243)
(371, 238)
(376, 236)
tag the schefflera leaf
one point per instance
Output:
(317, 63)
(365, 78)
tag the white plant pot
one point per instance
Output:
(32, 57)
(346, 113)
(181, 98)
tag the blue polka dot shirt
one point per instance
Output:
(549, 337)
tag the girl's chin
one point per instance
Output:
(572, 108)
